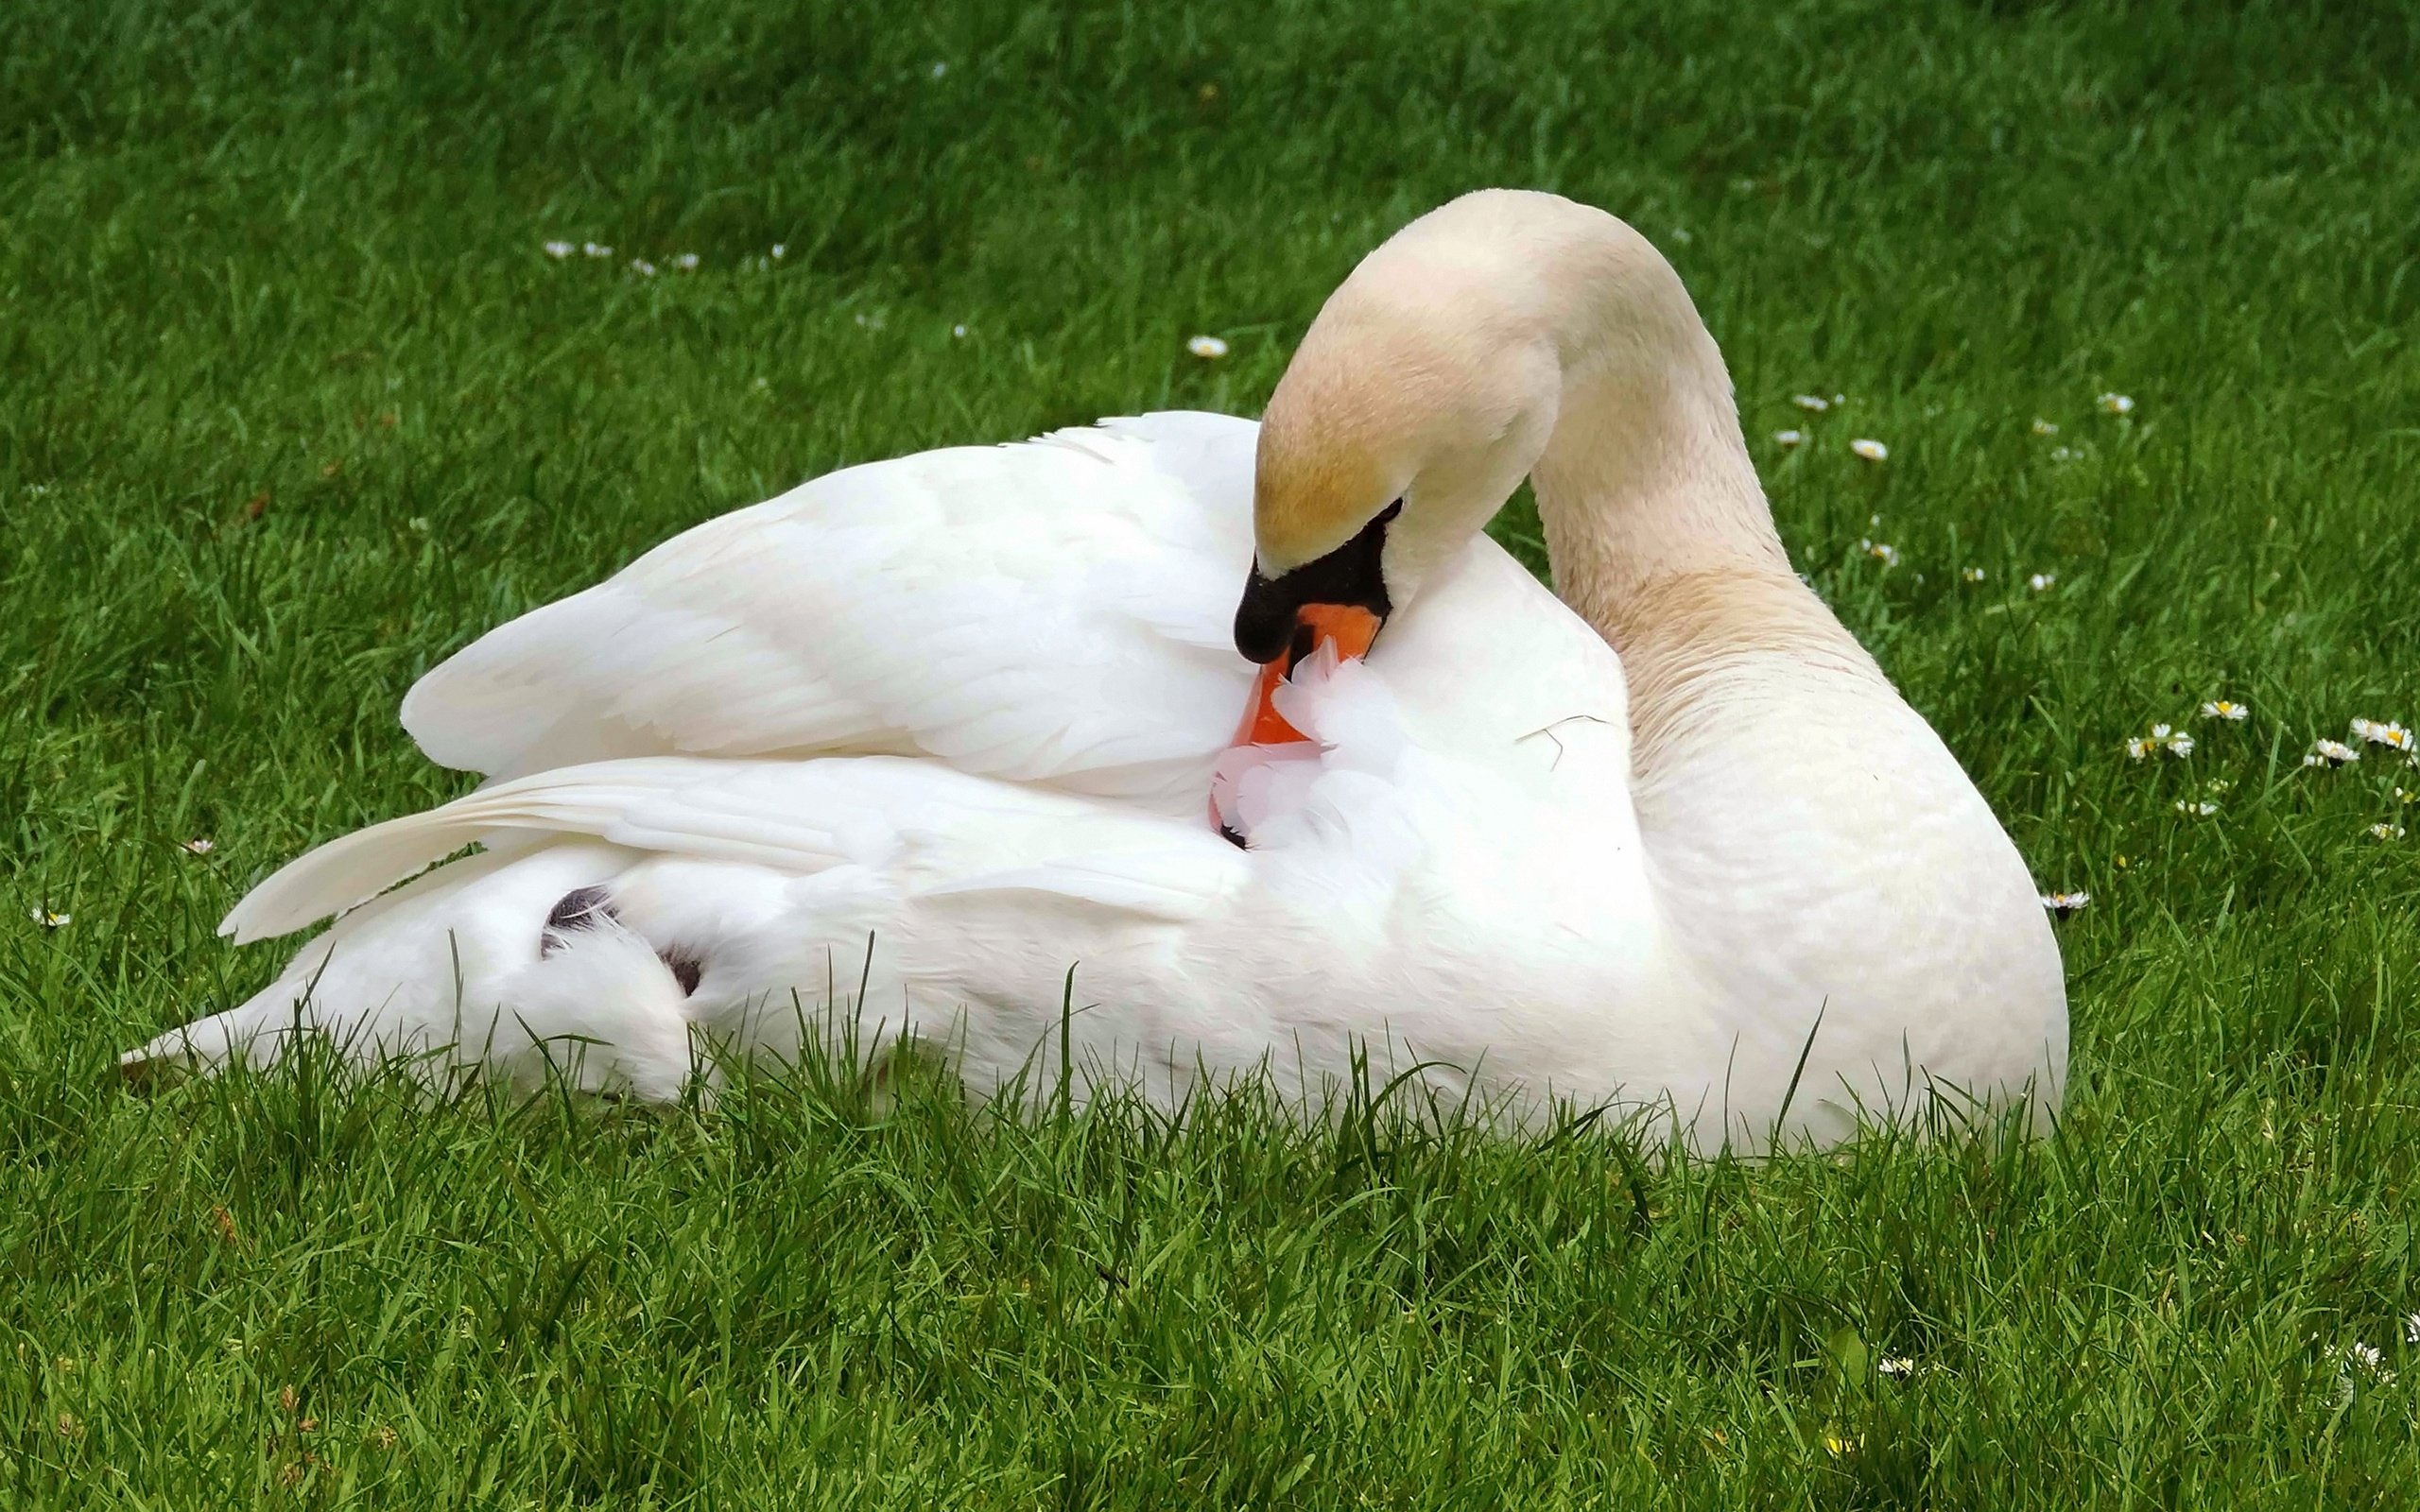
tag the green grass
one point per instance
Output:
(291, 404)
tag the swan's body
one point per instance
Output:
(968, 707)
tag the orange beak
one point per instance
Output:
(1348, 627)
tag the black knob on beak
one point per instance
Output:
(1350, 574)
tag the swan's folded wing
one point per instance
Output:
(929, 828)
(1054, 612)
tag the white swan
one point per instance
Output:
(968, 705)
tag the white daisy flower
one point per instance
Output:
(2063, 904)
(2411, 1328)
(1209, 348)
(2115, 404)
(780, 251)
(2163, 737)
(958, 332)
(558, 250)
(596, 249)
(2226, 709)
(642, 267)
(1870, 449)
(1791, 437)
(1812, 404)
(2203, 809)
(1880, 551)
(2063, 454)
(2330, 753)
(2386, 831)
(2355, 1360)
(1973, 575)
(686, 262)
(2042, 582)
(2382, 732)
(200, 845)
(50, 920)
(1896, 1365)
(2043, 427)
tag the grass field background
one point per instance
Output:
(292, 404)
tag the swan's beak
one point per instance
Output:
(1336, 600)
(1340, 600)
(1349, 627)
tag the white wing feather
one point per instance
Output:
(1055, 611)
(927, 826)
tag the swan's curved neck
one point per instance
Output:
(1646, 474)
(1657, 530)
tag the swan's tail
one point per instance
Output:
(623, 903)
(508, 962)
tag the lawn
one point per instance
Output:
(293, 402)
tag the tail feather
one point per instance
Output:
(255, 1031)
(461, 968)
(259, 1028)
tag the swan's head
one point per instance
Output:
(1409, 415)
(1420, 396)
